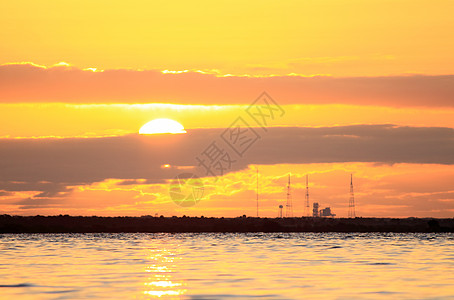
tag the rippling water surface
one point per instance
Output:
(218, 266)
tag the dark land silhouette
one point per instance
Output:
(74, 224)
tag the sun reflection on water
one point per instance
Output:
(161, 282)
(219, 266)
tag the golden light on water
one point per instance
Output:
(164, 293)
(210, 266)
(162, 283)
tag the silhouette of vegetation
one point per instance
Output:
(65, 223)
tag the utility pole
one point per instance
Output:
(351, 202)
(257, 192)
(306, 209)
(289, 206)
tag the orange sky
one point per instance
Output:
(81, 77)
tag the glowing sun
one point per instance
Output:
(159, 126)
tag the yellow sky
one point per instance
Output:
(90, 120)
(342, 38)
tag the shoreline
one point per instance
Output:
(149, 224)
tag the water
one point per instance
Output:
(219, 266)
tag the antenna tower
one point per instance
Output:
(289, 206)
(257, 193)
(306, 208)
(351, 202)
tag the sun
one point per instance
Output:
(160, 126)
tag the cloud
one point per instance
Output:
(4, 193)
(53, 167)
(61, 83)
(33, 203)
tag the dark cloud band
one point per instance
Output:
(30, 83)
(53, 165)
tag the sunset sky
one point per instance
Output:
(359, 87)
